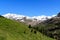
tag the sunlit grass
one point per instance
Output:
(12, 30)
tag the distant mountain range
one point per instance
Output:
(50, 27)
(26, 19)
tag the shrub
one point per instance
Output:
(25, 31)
(35, 32)
(30, 26)
(31, 30)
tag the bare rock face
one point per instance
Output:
(58, 15)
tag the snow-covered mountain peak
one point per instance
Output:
(16, 16)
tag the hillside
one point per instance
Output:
(12, 30)
(50, 27)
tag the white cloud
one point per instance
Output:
(15, 16)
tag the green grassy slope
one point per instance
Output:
(12, 30)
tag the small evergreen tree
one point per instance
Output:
(35, 32)
(31, 30)
(24, 32)
(30, 26)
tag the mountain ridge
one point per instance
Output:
(26, 19)
(50, 27)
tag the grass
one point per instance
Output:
(12, 30)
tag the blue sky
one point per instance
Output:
(30, 7)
